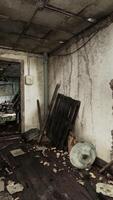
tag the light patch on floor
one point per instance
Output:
(14, 188)
(105, 189)
(17, 152)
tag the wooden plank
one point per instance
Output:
(49, 111)
(39, 114)
(108, 165)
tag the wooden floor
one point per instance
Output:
(40, 181)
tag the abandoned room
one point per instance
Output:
(56, 99)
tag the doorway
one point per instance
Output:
(11, 93)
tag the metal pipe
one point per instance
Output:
(45, 72)
(65, 12)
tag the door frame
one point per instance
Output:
(21, 62)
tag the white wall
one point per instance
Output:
(32, 92)
(85, 76)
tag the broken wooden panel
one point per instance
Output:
(62, 120)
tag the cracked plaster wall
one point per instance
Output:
(85, 76)
(31, 92)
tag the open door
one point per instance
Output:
(10, 98)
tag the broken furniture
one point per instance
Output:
(61, 120)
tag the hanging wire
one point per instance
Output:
(84, 44)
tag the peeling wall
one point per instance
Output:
(31, 92)
(85, 76)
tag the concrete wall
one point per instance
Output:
(85, 76)
(31, 92)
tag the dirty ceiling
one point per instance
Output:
(39, 26)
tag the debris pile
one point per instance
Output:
(89, 177)
(105, 189)
(13, 187)
(62, 156)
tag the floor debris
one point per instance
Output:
(17, 198)
(17, 152)
(54, 170)
(92, 175)
(57, 155)
(110, 182)
(5, 196)
(41, 148)
(105, 189)
(46, 164)
(80, 182)
(36, 173)
(13, 187)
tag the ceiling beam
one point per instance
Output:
(68, 13)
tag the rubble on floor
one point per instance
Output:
(13, 187)
(50, 160)
(17, 152)
(6, 196)
(32, 171)
(105, 189)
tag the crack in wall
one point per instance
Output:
(70, 75)
(78, 76)
(86, 59)
(63, 79)
(87, 67)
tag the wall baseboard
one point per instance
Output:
(100, 163)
